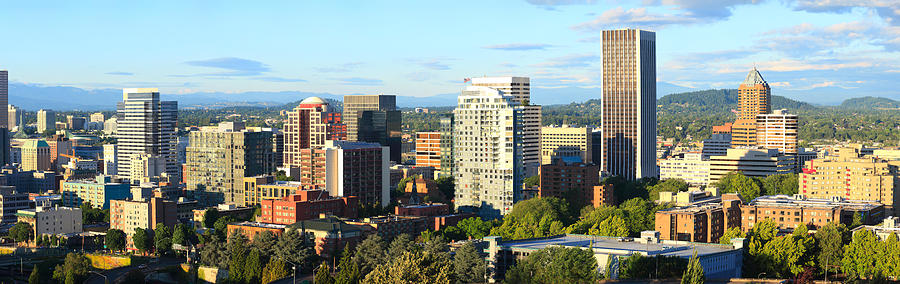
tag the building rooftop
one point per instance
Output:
(754, 78)
(259, 225)
(621, 246)
(799, 200)
(314, 101)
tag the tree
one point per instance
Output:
(370, 254)
(214, 253)
(401, 244)
(533, 181)
(860, 255)
(323, 276)
(786, 184)
(536, 217)
(293, 246)
(21, 232)
(445, 185)
(115, 239)
(694, 273)
(469, 228)
(221, 225)
(468, 265)
(210, 217)
(614, 226)
(412, 267)
(142, 240)
(253, 267)
(736, 182)
(35, 277)
(73, 270)
(274, 270)
(731, 233)
(555, 265)
(669, 185)
(162, 238)
(181, 234)
(264, 242)
(348, 272)
(830, 241)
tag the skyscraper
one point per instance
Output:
(46, 120)
(754, 98)
(306, 128)
(374, 118)
(146, 125)
(488, 151)
(219, 158)
(4, 97)
(15, 115)
(520, 89)
(628, 113)
(447, 167)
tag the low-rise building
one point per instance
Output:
(389, 227)
(719, 261)
(890, 225)
(330, 233)
(251, 229)
(46, 220)
(703, 222)
(98, 191)
(305, 205)
(789, 212)
(240, 213)
(11, 202)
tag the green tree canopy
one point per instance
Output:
(736, 182)
(142, 240)
(210, 217)
(115, 240)
(413, 267)
(536, 217)
(669, 185)
(468, 264)
(21, 232)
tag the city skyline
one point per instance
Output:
(828, 49)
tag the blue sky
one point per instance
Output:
(810, 50)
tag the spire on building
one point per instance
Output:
(754, 78)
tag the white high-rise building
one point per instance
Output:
(16, 116)
(628, 113)
(109, 127)
(110, 159)
(488, 151)
(520, 89)
(46, 120)
(146, 125)
(777, 130)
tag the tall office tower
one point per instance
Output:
(219, 158)
(428, 150)
(16, 116)
(447, 167)
(629, 103)
(305, 129)
(46, 120)
(4, 96)
(520, 89)
(98, 117)
(754, 98)
(777, 130)
(374, 118)
(110, 159)
(488, 151)
(75, 123)
(146, 125)
(572, 144)
(36, 155)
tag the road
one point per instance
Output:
(115, 275)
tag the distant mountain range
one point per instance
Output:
(32, 97)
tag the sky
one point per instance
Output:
(817, 51)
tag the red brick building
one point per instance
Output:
(306, 205)
(251, 229)
(579, 183)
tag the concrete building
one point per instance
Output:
(218, 161)
(46, 220)
(520, 89)
(11, 201)
(146, 166)
(890, 225)
(777, 130)
(98, 117)
(251, 229)
(847, 175)
(751, 162)
(4, 100)
(99, 192)
(61, 149)
(46, 120)
(306, 205)
(75, 123)
(447, 153)
(488, 152)
(241, 213)
(789, 212)
(36, 156)
(330, 234)
(428, 150)
(128, 215)
(628, 113)
(15, 116)
(389, 227)
(718, 261)
(146, 125)
(690, 167)
(566, 142)
(702, 222)
(754, 98)
(570, 181)
(307, 127)
(717, 145)
(374, 118)
(110, 159)
(110, 125)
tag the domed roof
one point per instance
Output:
(314, 101)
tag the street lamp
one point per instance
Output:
(105, 280)
(294, 269)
